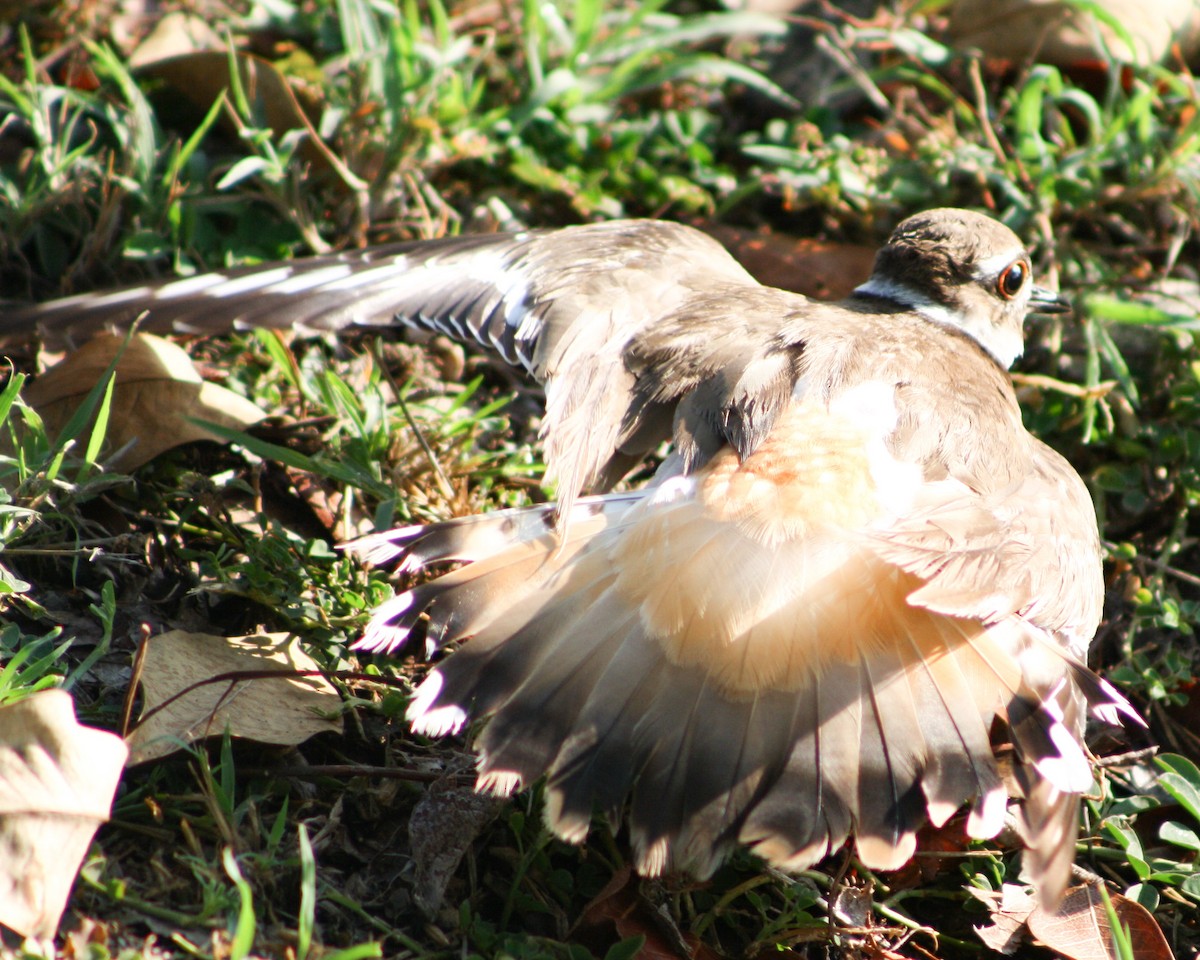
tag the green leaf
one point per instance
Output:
(1182, 781)
(1178, 834)
(99, 429)
(244, 169)
(9, 394)
(1133, 313)
(272, 451)
(627, 949)
(1145, 894)
(1122, 943)
(306, 921)
(1191, 887)
(695, 30)
(362, 951)
(1131, 843)
(185, 153)
(919, 46)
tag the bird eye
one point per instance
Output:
(1010, 282)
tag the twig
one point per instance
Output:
(854, 70)
(1121, 759)
(1189, 578)
(443, 481)
(349, 770)
(1082, 392)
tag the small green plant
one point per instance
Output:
(29, 664)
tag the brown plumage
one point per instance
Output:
(853, 563)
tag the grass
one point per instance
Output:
(545, 114)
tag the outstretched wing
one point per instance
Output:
(570, 306)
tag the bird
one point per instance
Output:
(855, 597)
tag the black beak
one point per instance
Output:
(1047, 301)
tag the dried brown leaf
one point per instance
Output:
(181, 706)
(57, 781)
(157, 390)
(1079, 929)
(1063, 34)
(1010, 910)
(203, 76)
(620, 912)
(443, 825)
(176, 34)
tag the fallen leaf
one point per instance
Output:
(1079, 928)
(1009, 909)
(57, 781)
(1064, 34)
(443, 825)
(176, 34)
(950, 838)
(851, 906)
(619, 913)
(204, 76)
(157, 391)
(179, 706)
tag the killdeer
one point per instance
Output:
(854, 561)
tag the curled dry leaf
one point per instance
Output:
(1010, 909)
(443, 825)
(1079, 928)
(57, 781)
(203, 76)
(176, 34)
(620, 913)
(157, 391)
(180, 704)
(1066, 33)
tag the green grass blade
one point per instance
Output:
(244, 928)
(306, 921)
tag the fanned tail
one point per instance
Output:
(784, 714)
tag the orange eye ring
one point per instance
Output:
(1012, 279)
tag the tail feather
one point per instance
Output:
(890, 806)
(491, 672)
(596, 672)
(755, 739)
(960, 768)
(479, 536)
(795, 822)
(1052, 772)
(707, 770)
(597, 765)
(1103, 700)
(533, 720)
(673, 761)
(459, 604)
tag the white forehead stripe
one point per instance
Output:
(990, 266)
